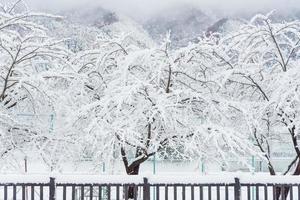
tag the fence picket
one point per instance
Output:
(192, 192)
(183, 192)
(5, 192)
(257, 192)
(100, 192)
(52, 188)
(166, 193)
(175, 192)
(248, 192)
(226, 192)
(146, 190)
(91, 192)
(237, 189)
(73, 192)
(126, 192)
(266, 192)
(157, 192)
(41, 192)
(23, 192)
(14, 192)
(117, 192)
(201, 193)
(32, 192)
(209, 192)
(64, 192)
(82, 192)
(218, 192)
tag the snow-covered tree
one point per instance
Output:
(32, 65)
(262, 75)
(156, 101)
(221, 136)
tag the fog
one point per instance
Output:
(148, 8)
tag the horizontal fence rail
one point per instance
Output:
(81, 187)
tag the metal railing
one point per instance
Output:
(152, 188)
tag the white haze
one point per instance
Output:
(140, 9)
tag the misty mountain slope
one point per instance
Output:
(78, 37)
(90, 16)
(134, 32)
(231, 24)
(185, 23)
(225, 25)
(111, 23)
(84, 27)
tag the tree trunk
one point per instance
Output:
(286, 190)
(131, 191)
(134, 167)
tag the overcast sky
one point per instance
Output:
(136, 8)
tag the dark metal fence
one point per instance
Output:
(147, 190)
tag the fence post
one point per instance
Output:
(237, 189)
(52, 189)
(146, 189)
